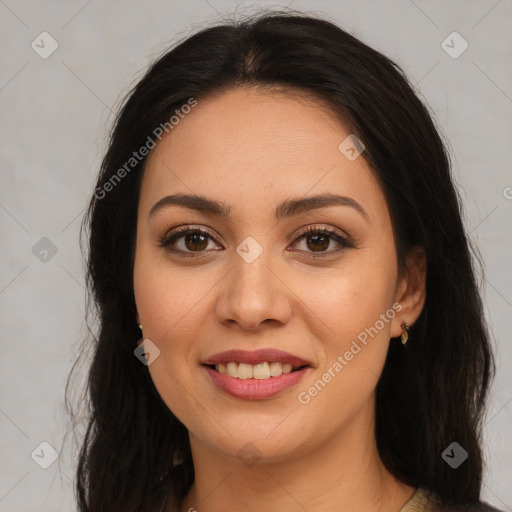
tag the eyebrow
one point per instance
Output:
(286, 209)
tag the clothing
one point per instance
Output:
(424, 500)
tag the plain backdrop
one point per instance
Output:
(56, 112)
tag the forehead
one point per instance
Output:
(249, 146)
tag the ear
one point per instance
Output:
(411, 290)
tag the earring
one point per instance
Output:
(140, 327)
(405, 333)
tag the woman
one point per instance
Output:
(289, 316)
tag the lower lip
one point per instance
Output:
(255, 389)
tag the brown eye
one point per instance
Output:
(318, 240)
(196, 242)
(187, 241)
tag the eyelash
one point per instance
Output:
(181, 231)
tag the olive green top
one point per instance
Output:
(418, 502)
(426, 501)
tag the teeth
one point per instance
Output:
(276, 369)
(232, 369)
(244, 371)
(261, 371)
(258, 371)
(287, 368)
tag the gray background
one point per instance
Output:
(56, 112)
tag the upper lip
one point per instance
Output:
(256, 356)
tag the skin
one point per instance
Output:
(252, 149)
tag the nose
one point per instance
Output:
(253, 294)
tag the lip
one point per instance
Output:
(254, 389)
(256, 357)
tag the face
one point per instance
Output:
(267, 273)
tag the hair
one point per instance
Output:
(135, 455)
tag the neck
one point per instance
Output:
(343, 473)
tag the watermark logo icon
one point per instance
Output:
(351, 147)
(44, 250)
(147, 352)
(454, 455)
(44, 45)
(454, 45)
(44, 455)
(249, 249)
(249, 455)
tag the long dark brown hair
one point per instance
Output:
(136, 454)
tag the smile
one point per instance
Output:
(254, 371)
(257, 375)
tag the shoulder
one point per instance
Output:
(433, 503)
(426, 500)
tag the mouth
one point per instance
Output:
(260, 371)
(258, 364)
(255, 375)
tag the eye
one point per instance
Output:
(317, 240)
(187, 240)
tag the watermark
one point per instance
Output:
(146, 352)
(454, 455)
(249, 249)
(44, 250)
(44, 455)
(249, 455)
(454, 45)
(143, 151)
(304, 397)
(351, 147)
(44, 45)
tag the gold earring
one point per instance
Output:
(405, 333)
(140, 327)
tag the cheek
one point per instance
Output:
(169, 302)
(354, 304)
(354, 340)
(350, 299)
(168, 298)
